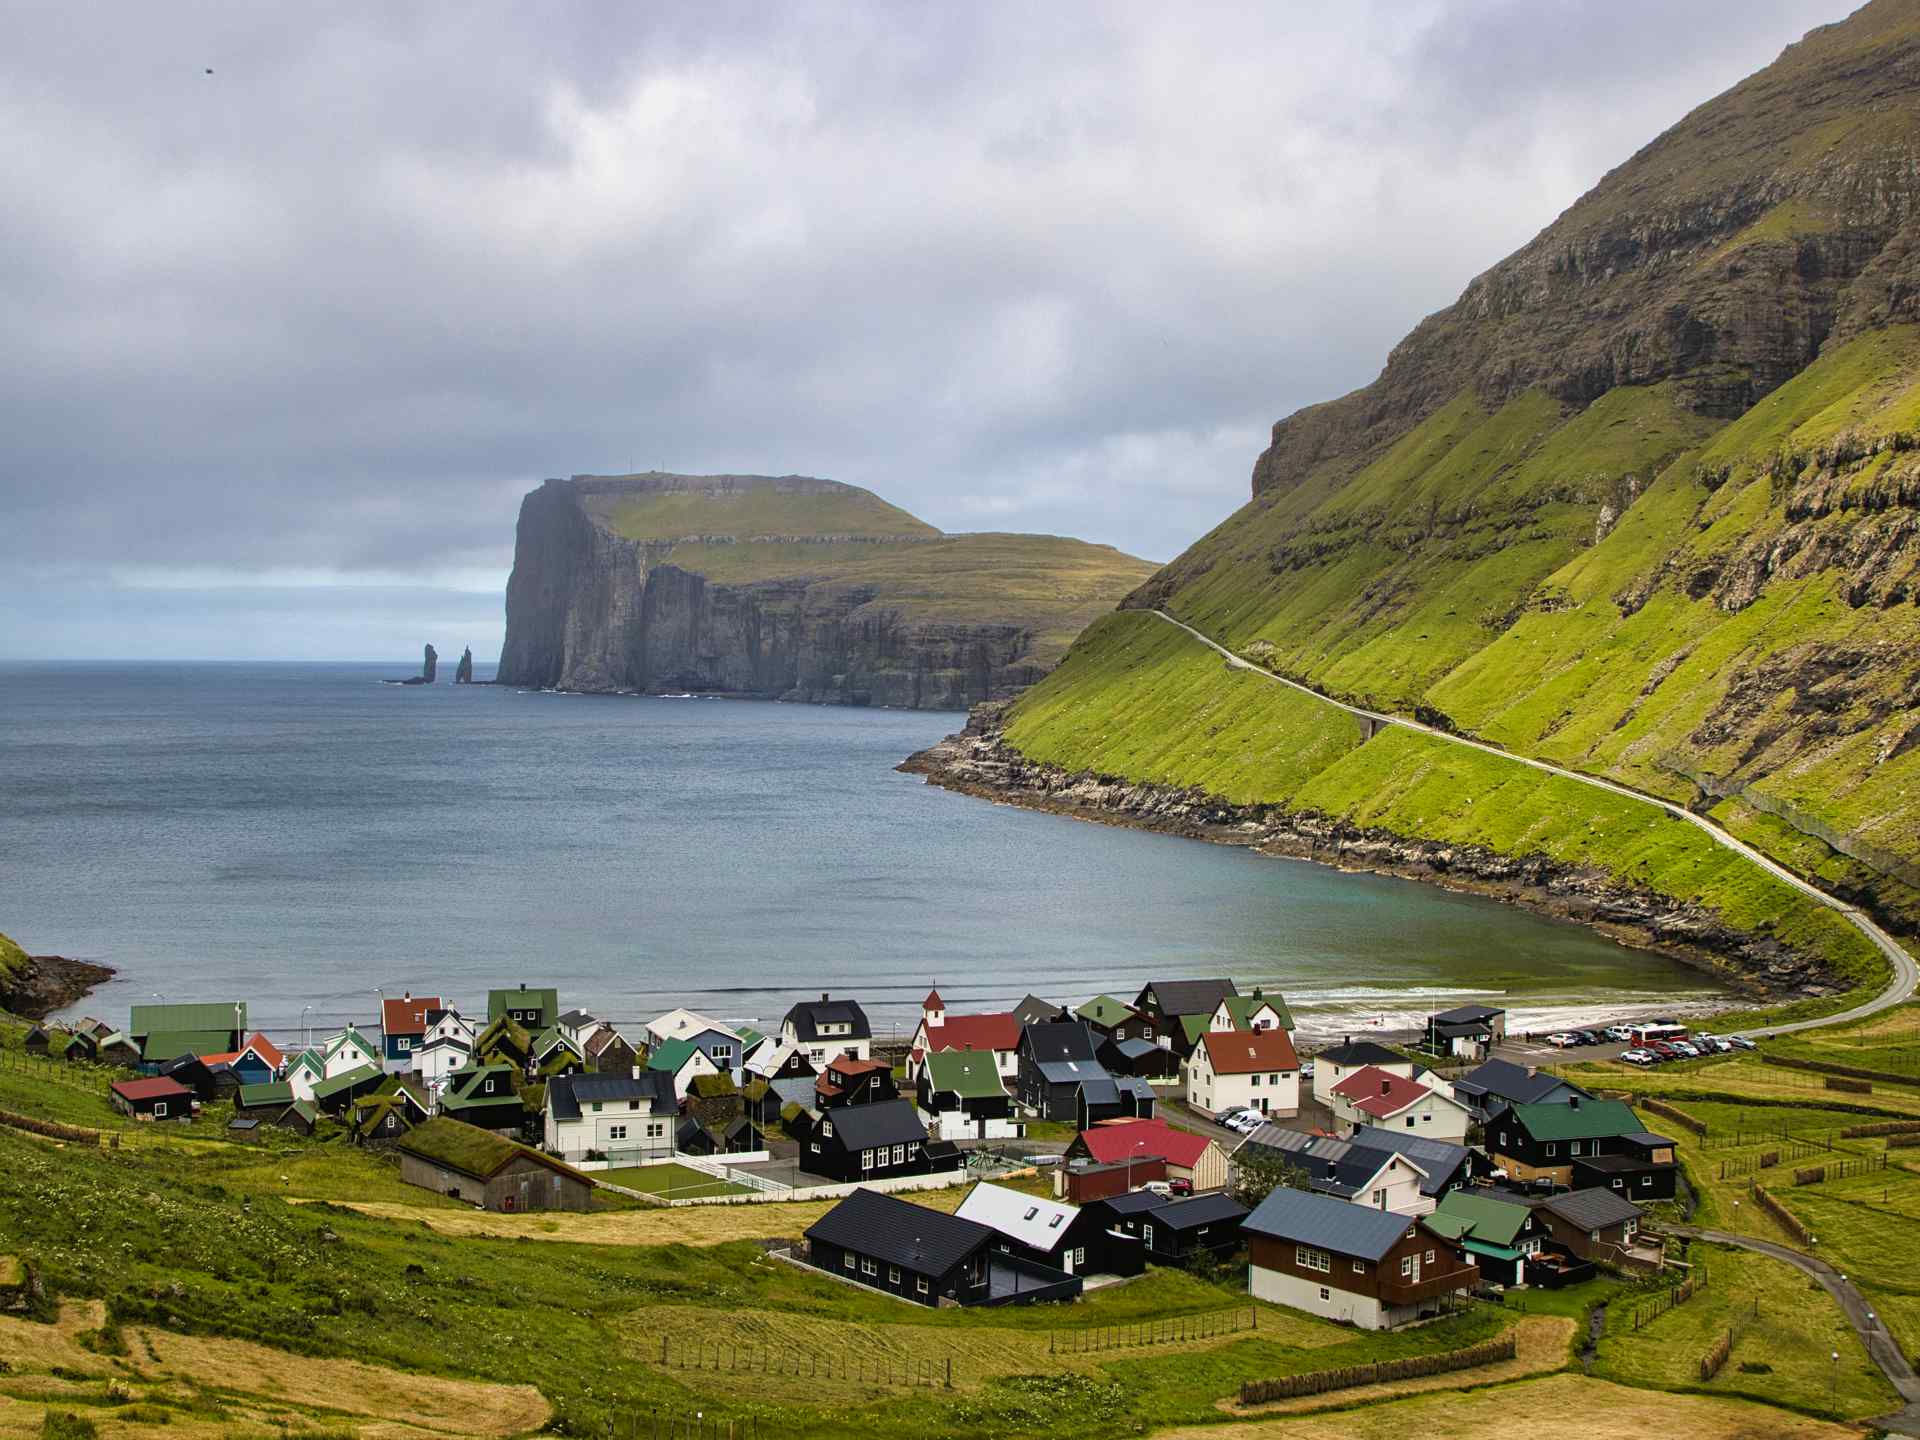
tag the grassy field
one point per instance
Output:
(675, 1182)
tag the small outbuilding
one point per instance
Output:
(453, 1158)
(152, 1098)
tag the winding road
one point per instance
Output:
(1906, 974)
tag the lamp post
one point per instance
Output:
(1833, 1381)
(306, 1035)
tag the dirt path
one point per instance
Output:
(1543, 1342)
(1906, 973)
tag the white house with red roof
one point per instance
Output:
(998, 1032)
(1190, 1157)
(1373, 1096)
(1245, 1070)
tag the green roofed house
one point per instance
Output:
(452, 1158)
(166, 1032)
(335, 1095)
(271, 1096)
(302, 1117)
(1113, 1019)
(1258, 1011)
(534, 1010)
(1582, 1144)
(487, 1096)
(964, 1097)
(1500, 1235)
(683, 1060)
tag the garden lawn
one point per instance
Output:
(670, 1181)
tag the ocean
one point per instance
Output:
(304, 837)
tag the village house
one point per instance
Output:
(504, 1042)
(1258, 1011)
(1334, 1065)
(452, 1158)
(116, 1047)
(684, 1061)
(403, 1028)
(1251, 1068)
(1081, 1182)
(152, 1098)
(1178, 1012)
(193, 1072)
(1100, 1098)
(532, 1010)
(1032, 1010)
(1499, 1235)
(486, 1096)
(303, 1072)
(348, 1050)
(1600, 1226)
(1195, 1159)
(578, 1026)
(1380, 1179)
(719, 1043)
(1112, 1019)
(302, 1118)
(81, 1046)
(1467, 1031)
(609, 1052)
(854, 1082)
(1351, 1263)
(1060, 1236)
(165, 1032)
(334, 1094)
(264, 1101)
(449, 1024)
(827, 1027)
(384, 1116)
(1139, 1059)
(552, 1053)
(439, 1057)
(36, 1041)
(1490, 1088)
(997, 1034)
(1444, 1164)
(961, 1093)
(925, 1256)
(628, 1119)
(767, 1101)
(1054, 1059)
(1174, 1232)
(738, 1136)
(1372, 1096)
(779, 1060)
(870, 1142)
(1584, 1144)
(255, 1063)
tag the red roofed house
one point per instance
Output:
(998, 1032)
(1372, 1096)
(1190, 1157)
(155, 1098)
(403, 1028)
(847, 1081)
(1245, 1070)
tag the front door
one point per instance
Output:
(1416, 1267)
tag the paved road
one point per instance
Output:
(1880, 1345)
(1906, 974)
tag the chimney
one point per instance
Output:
(823, 997)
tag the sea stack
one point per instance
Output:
(430, 664)
(463, 672)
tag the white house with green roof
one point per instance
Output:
(348, 1050)
(1259, 1011)
(306, 1071)
(961, 1092)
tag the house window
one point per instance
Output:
(404, 1043)
(869, 1267)
(1619, 1184)
(1079, 1256)
(160, 1107)
(866, 1159)
(1503, 1139)
(920, 1284)
(893, 1274)
(1147, 1236)
(826, 1127)
(846, 1259)
(1429, 1257)
(1256, 1082)
(596, 1107)
(913, 1148)
(616, 1132)
(1574, 1148)
(633, 1104)
(1551, 1149)
(1308, 1257)
(1324, 1294)
(816, 1147)
(1646, 1182)
(1380, 1198)
(900, 1154)
(1359, 1267)
(656, 1129)
(1409, 1122)
(1406, 1265)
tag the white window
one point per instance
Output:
(160, 1107)
(1574, 1148)
(1380, 1198)
(1619, 1184)
(1079, 1256)
(1307, 1257)
(920, 1284)
(1148, 1236)
(826, 1127)
(816, 1147)
(1503, 1139)
(616, 1132)
(1406, 1265)
(1646, 1182)
(1551, 1148)
(404, 1042)
(893, 1274)
(1429, 1257)
(913, 1148)
(869, 1267)
(847, 1259)
(1324, 1295)
(866, 1159)
(900, 1154)
(1359, 1267)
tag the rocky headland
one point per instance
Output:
(787, 588)
(35, 986)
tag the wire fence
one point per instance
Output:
(1089, 1340)
(749, 1359)
(1645, 1312)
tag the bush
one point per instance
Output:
(65, 1425)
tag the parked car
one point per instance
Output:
(1162, 1188)
(1639, 1057)
(1740, 1042)
(1620, 1033)
(1589, 1037)
(1562, 1039)
(1665, 1049)
(1306, 1071)
(1249, 1122)
(1180, 1187)
(1687, 1049)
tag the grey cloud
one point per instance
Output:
(333, 308)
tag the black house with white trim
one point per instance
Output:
(925, 1256)
(870, 1142)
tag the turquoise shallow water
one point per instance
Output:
(299, 835)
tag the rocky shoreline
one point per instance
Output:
(50, 983)
(979, 762)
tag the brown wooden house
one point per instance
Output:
(1351, 1263)
(452, 1158)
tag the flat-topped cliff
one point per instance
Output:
(787, 587)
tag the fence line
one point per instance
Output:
(1788, 1220)
(1649, 1311)
(1841, 1169)
(763, 1359)
(1318, 1382)
(1089, 1340)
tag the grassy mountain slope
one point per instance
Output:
(1643, 502)
(13, 961)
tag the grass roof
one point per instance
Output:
(473, 1151)
(712, 1087)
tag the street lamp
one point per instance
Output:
(1833, 1381)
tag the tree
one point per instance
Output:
(1258, 1173)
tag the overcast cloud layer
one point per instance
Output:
(285, 343)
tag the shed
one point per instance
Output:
(152, 1098)
(452, 1158)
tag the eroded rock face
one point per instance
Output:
(430, 665)
(463, 672)
(591, 610)
(979, 762)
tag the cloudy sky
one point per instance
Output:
(285, 342)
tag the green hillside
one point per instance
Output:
(13, 961)
(1643, 503)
